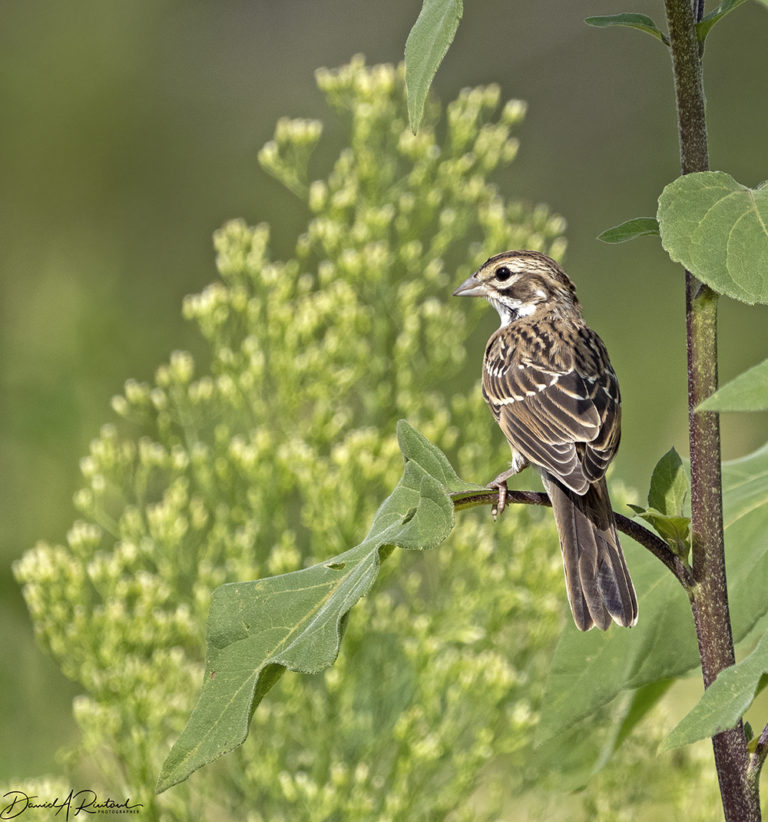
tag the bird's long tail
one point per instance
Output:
(596, 575)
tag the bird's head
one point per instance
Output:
(522, 284)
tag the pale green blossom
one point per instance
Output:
(277, 451)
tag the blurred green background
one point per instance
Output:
(130, 133)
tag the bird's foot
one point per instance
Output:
(500, 483)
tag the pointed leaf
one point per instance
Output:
(669, 485)
(745, 517)
(630, 230)
(417, 447)
(706, 23)
(425, 48)
(718, 229)
(724, 702)
(633, 712)
(747, 392)
(630, 19)
(258, 629)
(590, 669)
(675, 531)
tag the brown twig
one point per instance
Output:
(630, 527)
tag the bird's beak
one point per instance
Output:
(470, 288)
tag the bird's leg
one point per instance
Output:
(518, 463)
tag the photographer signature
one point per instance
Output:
(83, 801)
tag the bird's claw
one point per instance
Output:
(497, 509)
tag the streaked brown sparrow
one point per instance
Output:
(550, 385)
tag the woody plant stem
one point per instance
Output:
(709, 601)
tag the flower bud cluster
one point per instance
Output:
(277, 452)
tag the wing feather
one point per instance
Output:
(562, 417)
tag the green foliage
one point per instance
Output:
(725, 701)
(295, 620)
(640, 703)
(718, 229)
(587, 674)
(747, 392)
(631, 229)
(669, 485)
(666, 503)
(425, 48)
(275, 456)
(636, 21)
(589, 671)
(674, 529)
(705, 24)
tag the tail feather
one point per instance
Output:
(596, 576)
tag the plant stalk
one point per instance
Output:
(710, 595)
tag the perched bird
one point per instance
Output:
(550, 385)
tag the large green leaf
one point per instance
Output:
(425, 48)
(589, 670)
(747, 392)
(718, 229)
(725, 701)
(632, 713)
(258, 629)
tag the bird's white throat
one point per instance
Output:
(510, 312)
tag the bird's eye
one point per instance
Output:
(503, 273)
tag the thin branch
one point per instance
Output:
(630, 527)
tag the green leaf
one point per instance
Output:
(414, 446)
(724, 702)
(706, 23)
(632, 714)
(669, 485)
(718, 229)
(577, 754)
(674, 530)
(630, 230)
(747, 392)
(425, 48)
(258, 629)
(590, 669)
(666, 503)
(632, 20)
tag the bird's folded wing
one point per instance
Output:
(556, 419)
